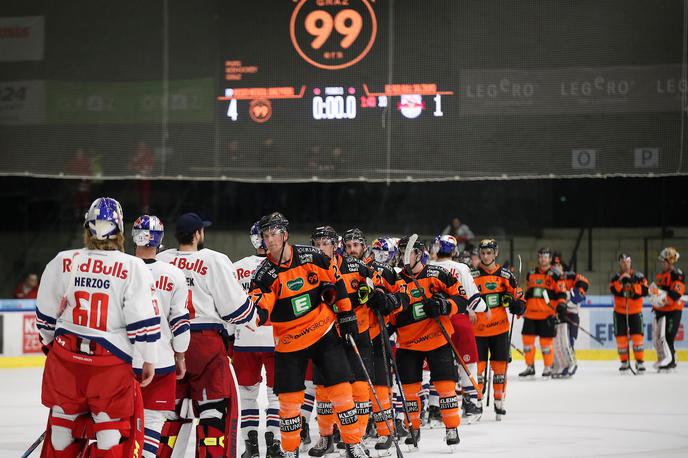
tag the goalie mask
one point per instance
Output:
(104, 218)
(148, 231)
(669, 254)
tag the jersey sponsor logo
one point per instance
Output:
(305, 258)
(98, 266)
(164, 284)
(491, 285)
(417, 293)
(295, 284)
(243, 273)
(538, 281)
(286, 339)
(354, 284)
(433, 273)
(197, 266)
(418, 312)
(312, 278)
(492, 300)
(449, 403)
(290, 424)
(352, 266)
(348, 417)
(301, 304)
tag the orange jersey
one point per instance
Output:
(354, 273)
(415, 331)
(387, 279)
(540, 286)
(674, 283)
(628, 292)
(575, 280)
(291, 294)
(495, 287)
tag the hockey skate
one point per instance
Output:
(409, 440)
(640, 367)
(667, 368)
(383, 446)
(323, 447)
(400, 428)
(251, 445)
(529, 372)
(434, 417)
(273, 447)
(499, 409)
(356, 451)
(547, 371)
(625, 367)
(472, 412)
(452, 438)
(305, 434)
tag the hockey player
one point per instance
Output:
(628, 286)
(354, 274)
(170, 298)
(303, 293)
(254, 349)
(545, 296)
(434, 294)
(576, 286)
(671, 283)
(499, 289)
(215, 298)
(96, 304)
(387, 297)
(463, 337)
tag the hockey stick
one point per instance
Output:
(33, 446)
(628, 335)
(488, 382)
(457, 355)
(395, 369)
(597, 339)
(352, 342)
(518, 350)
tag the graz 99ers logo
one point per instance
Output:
(333, 34)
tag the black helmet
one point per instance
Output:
(325, 232)
(624, 257)
(544, 250)
(274, 220)
(403, 242)
(488, 243)
(355, 234)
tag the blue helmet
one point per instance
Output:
(148, 231)
(384, 250)
(104, 218)
(256, 237)
(446, 244)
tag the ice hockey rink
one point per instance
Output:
(596, 413)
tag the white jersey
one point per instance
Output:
(106, 300)
(171, 293)
(247, 339)
(215, 295)
(462, 273)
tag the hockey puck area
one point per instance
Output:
(595, 413)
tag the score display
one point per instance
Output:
(330, 38)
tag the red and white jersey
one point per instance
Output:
(462, 272)
(171, 293)
(107, 299)
(215, 296)
(247, 339)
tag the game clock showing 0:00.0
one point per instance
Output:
(333, 35)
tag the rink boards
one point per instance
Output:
(20, 346)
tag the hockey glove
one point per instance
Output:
(378, 301)
(348, 326)
(561, 312)
(262, 316)
(437, 306)
(577, 296)
(517, 307)
(328, 294)
(364, 294)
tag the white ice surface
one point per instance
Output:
(596, 413)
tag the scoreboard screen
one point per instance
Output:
(445, 89)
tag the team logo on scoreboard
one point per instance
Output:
(411, 106)
(333, 34)
(260, 110)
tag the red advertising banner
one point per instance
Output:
(30, 338)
